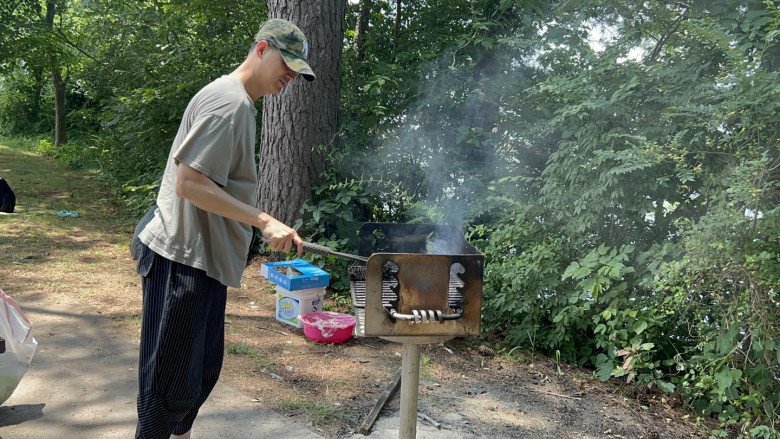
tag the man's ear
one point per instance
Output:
(261, 47)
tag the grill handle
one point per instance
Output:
(327, 251)
(426, 316)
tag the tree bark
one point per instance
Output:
(60, 132)
(397, 29)
(484, 113)
(300, 124)
(35, 105)
(484, 110)
(361, 29)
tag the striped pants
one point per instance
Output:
(182, 343)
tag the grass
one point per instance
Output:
(44, 187)
(317, 411)
(22, 144)
(517, 354)
(133, 320)
(241, 349)
(42, 253)
(338, 303)
(425, 366)
(259, 359)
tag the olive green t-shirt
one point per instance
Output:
(217, 138)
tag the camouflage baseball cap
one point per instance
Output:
(291, 43)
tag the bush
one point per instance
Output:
(20, 113)
(700, 316)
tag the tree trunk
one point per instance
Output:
(300, 124)
(485, 108)
(397, 29)
(484, 113)
(35, 105)
(60, 134)
(362, 28)
(771, 58)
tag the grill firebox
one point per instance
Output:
(420, 280)
(422, 283)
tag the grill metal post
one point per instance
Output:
(410, 381)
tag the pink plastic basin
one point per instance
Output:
(327, 326)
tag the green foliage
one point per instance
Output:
(20, 111)
(157, 64)
(624, 191)
(141, 192)
(130, 67)
(524, 264)
(338, 302)
(28, 144)
(661, 194)
(335, 214)
(74, 154)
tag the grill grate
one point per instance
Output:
(357, 289)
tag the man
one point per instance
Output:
(196, 242)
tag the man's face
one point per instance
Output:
(278, 74)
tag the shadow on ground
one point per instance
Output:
(16, 414)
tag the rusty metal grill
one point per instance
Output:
(418, 280)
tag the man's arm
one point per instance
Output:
(207, 195)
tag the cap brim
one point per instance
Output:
(299, 66)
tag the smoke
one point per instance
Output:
(445, 145)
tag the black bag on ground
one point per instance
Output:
(136, 245)
(7, 197)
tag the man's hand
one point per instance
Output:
(279, 236)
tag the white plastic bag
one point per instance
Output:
(20, 345)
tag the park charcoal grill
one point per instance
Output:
(420, 284)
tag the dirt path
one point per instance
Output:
(54, 266)
(76, 283)
(83, 380)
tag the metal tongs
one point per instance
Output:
(327, 251)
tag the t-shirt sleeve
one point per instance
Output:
(208, 148)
